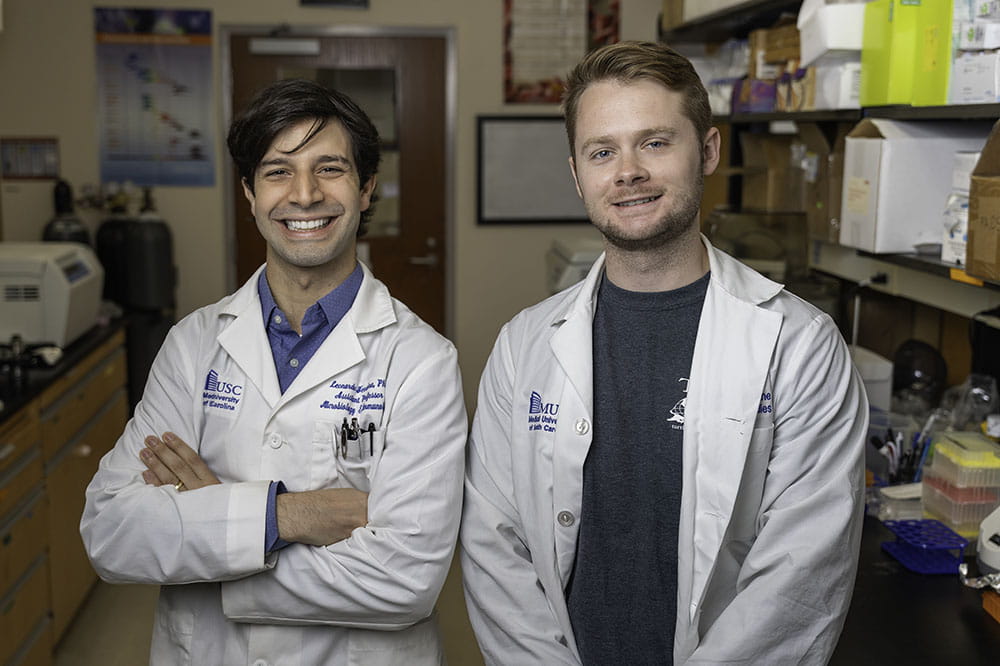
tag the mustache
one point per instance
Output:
(294, 211)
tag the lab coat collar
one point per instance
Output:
(245, 339)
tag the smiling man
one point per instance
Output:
(292, 477)
(695, 494)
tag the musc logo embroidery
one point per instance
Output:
(220, 395)
(213, 384)
(541, 414)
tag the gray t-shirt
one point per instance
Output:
(623, 593)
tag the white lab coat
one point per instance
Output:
(368, 599)
(771, 512)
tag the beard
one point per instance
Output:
(673, 225)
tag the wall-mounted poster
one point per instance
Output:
(154, 83)
(544, 39)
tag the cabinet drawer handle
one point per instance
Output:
(7, 450)
(83, 451)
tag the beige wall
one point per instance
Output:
(47, 72)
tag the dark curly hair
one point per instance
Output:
(286, 103)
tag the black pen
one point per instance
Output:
(371, 439)
(343, 439)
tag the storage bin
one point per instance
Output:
(966, 459)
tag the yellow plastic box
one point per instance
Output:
(888, 52)
(966, 459)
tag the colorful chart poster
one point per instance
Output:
(154, 82)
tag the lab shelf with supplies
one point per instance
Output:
(912, 277)
(901, 617)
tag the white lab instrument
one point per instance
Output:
(49, 292)
(988, 551)
(876, 373)
(987, 555)
(568, 261)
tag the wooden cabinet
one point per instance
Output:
(82, 414)
(24, 580)
(50, 447)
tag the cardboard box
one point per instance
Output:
(758, 68)
(894, 187)
(822, 174)
(835, 186)
(979, 35)
(838, 86)
(697, 8)
(770, 181)
(774, 244)
(829, 30)
(781, 43)
(796, 91)
(754, 96)
(983, 252)
(888, 52)
(975, 78)
(672, 15)
(987, 9)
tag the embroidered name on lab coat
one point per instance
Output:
(355, 399)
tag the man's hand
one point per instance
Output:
(321, 517)
(170, 461)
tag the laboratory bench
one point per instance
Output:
(901, 617)
(55, 426)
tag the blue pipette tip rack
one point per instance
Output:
(925, 546)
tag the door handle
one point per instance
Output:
(430, 260)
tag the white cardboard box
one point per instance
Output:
(829, 28)
(979, 35)
(894, 187)
(975, 77)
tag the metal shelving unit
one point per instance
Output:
(920, 279)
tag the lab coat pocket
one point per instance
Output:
(323, 471)
(174, 631)
(746, 511)
(359, 456)
(419, 644)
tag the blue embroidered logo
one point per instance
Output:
(541, 414)
(220, 394)
(536, 405)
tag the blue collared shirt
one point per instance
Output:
(291, 353)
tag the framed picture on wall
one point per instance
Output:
(523, 174)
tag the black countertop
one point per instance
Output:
(38, 379)
(901, 617)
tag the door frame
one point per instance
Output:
(451, 107)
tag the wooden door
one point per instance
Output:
(400, 82)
